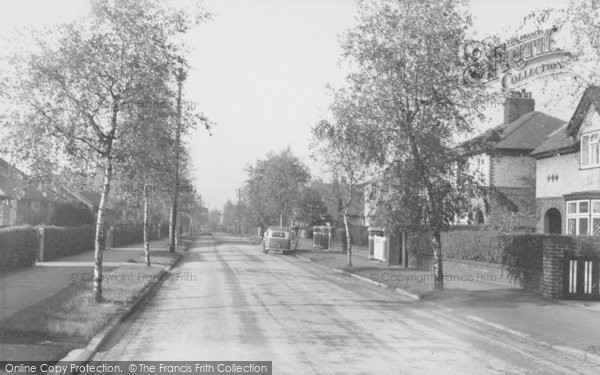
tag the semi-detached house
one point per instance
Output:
(568, 173)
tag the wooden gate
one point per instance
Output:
(581, 277)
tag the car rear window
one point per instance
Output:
(278, 234)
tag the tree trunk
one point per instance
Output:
(437, 259)
(146, 227)
(100, 237)
(348, 241)
(173, 226)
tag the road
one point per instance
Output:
(228, 301)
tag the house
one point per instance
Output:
(333, 193)
(22, 202)
(502, 159)
(568, 172)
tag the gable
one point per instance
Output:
(591, 121)
(589, 100)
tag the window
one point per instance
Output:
(583, 217)
(590, 150)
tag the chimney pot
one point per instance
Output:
(517, 104)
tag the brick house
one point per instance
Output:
(568, 172)
(501, 158)
(25, 203)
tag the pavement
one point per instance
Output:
(27, 286)
(562, 323)
(240, 304)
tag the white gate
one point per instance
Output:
(379, 248)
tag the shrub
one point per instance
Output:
(358, 234)
(127, 234)
(18, 246)
(164, 230)
(60, 242)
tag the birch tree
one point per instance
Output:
(340, 146)
(407, 85)
(77, 88)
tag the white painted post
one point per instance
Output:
(41, 237)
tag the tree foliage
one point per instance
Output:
(76, 94)
(408, 90)
(274, 186)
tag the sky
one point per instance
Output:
(259, 70)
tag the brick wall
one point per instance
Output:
(513, 171)
(555, 248)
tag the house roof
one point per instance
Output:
(330, 192)
(524, 134)
(565, 139)
(16, 184)
(591, 95)
(557, 141)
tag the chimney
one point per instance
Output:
(517, 104)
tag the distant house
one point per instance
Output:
(22, 202)
(502, 158)
(568, 173)
(333, 193)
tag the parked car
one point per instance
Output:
(277, 238)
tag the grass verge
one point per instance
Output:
(72, 313)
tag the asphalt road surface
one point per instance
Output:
(228, 301)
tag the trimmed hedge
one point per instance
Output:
(128, 234)
(60, 242)
(359, 235)
(523, 250)
(18, 246)
(164, 230)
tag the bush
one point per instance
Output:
(520, 250)
(164, 230)
(60, 242)
(18, 246)
(127, 234)
(358, 234)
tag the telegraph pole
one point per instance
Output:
(239, 211)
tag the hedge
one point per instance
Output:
(127, 234)
(164, 230)
(522, 250)
(18, 246)
(60, 242)
(359, 235)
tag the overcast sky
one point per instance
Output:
(259, 70)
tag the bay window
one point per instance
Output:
(583, 217)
